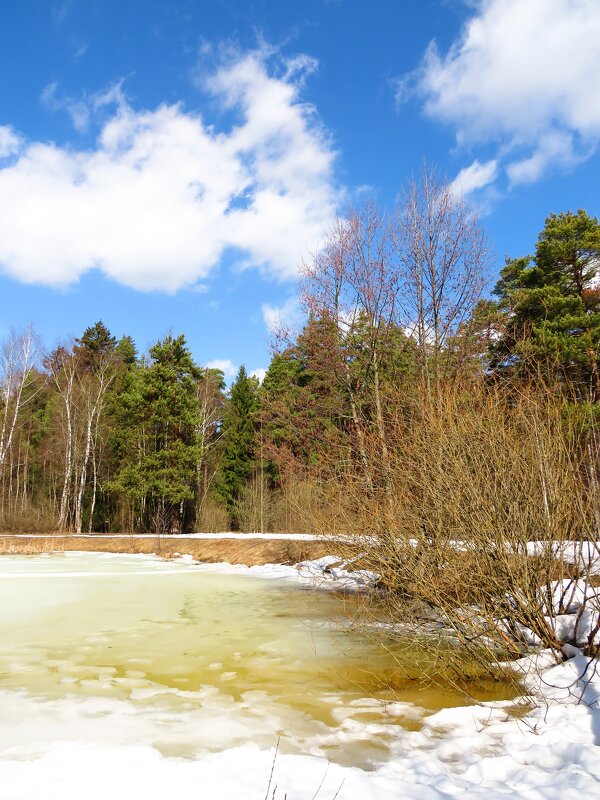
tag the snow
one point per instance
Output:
(582, 554)
(76, 747)
(480, 751)
(322, 573)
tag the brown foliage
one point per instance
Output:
(478, 474)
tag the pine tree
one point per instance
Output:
(93, 345)
(302, 406)
(238, 441)
(158, 416)
(551, 304)
(127, 350)
(211, 402)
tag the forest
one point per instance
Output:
(412, 399)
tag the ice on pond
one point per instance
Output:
(127, 676)
(186, 661)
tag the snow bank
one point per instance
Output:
(328, 572)
(478, 751)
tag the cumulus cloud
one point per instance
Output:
(162, 195)
(524, 76)
(10, 142)
(475, 176)
(553, 147)
(287, 315)
(227, 367)
(230, 370)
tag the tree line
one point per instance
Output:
(97, 437)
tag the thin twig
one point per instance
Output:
(272, 768)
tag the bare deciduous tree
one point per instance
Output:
(93, 385)
(19, 355)
(443, 259)
(61, 368)
(353, 280)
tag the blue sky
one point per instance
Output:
(166, 164)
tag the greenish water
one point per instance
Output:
(190, 660)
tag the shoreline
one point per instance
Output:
(247, 549)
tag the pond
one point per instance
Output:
(118, 650)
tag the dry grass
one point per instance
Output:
(234, 551)
(26, 545)
(30, 519)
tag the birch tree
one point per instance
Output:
(92, 390)
(19, 355)
(19, 384)
(61, 368)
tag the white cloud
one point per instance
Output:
(162, 195)
(230, 370)
(78, 110)
(278, 318)
(10, 142)
(475, 176)
(227, 367)
(554, 146)
(522, 76)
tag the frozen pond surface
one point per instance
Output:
(126, 676)
(189, 660)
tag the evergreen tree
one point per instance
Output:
(211, 401)
(469, 352)
(93, 345)
(126, 350)
(390, 362)
(302, 398)
(238, 440)
(551, 304)
(309, 388)
(157, 414)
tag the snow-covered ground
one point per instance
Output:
(322, 573)
(96, 748)
(475, 751)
